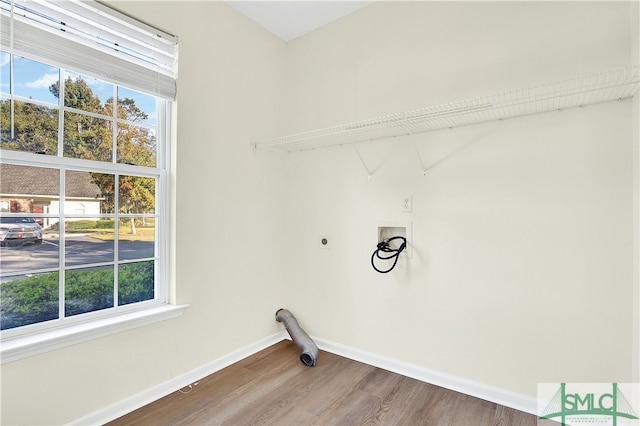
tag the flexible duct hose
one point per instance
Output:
(302, 339)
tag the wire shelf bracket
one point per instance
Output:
(576, 92)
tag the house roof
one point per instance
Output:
(45, 182)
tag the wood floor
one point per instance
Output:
(273, 387)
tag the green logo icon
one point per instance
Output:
(589, 403)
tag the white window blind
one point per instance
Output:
(89, 37)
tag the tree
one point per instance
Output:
(85, 136)
(91, 138)
(35, 128)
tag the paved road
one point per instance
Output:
(79, 250)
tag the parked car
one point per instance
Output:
(19, 230)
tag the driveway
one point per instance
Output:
(80, 250)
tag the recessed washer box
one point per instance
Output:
(389, 230)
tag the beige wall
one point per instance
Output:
(522, 237)
(396, 56)
(635, 55)
(228, 204)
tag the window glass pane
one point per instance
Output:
(135, 282)
(25, 246)
(5, 72)
(106, 184)
(30, 189)
(84, 193)
(136, 238)
(35, 80)
(28, 299)
(88, 241)
(35, 128)
(5, 124)
(19, 231)
(88, 94)
(136, 106)
(136, 145)
(136, 194)
(87, 137)
(88, 290)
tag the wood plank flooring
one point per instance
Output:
(273, 387)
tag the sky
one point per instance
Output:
(33, 79)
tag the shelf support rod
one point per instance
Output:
(423, 168)
(364, 164)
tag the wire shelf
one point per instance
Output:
(581, 91)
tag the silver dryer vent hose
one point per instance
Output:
(302, 339)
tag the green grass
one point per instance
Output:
(142, 234)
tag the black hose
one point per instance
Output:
(384, 247)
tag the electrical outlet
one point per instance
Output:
(407, 204)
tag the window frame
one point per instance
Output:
(28, 340)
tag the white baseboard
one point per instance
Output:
(468, 387)
(120, 408)
(458, 384)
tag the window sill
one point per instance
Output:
(26, 346)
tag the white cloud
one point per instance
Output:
(4, 59)
(43, 82)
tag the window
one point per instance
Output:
(84, 130)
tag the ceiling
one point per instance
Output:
(291, 19)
